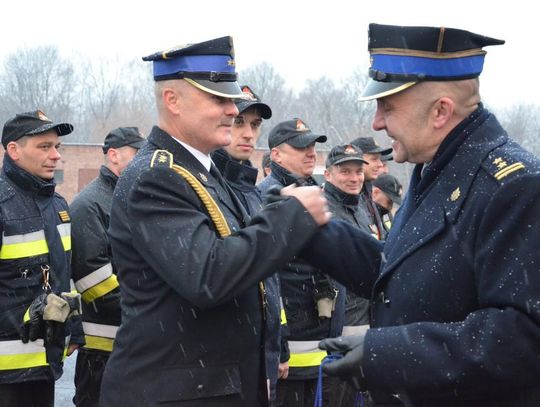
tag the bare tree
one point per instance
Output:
(522, 123)
(38, 78)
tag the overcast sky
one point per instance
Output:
(302, 39)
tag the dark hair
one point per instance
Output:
(265, 162)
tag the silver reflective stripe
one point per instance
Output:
(16, 347)
(349, 330)
(24, 238)
(105, 331)
(304, 346)
(94, 278)
(64, 229)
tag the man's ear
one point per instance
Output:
(275, 155)
(170, 100)
(12, 149)
(326, 174)
(112, 156)
(442, 112)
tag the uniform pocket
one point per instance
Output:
(192, 383)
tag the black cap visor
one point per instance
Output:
(304, 140)
(224, 88)
(63, 129)
(375, 89)
(347, 159)
(263, 108)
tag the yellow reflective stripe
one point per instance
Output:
(26, 317)
(32, 244)
(99, 290)
(94, 278)
(307, 359)
(99, 343)
(18, 355)
(283, 317)
(105, 331)
(305, 353)
(25, 245)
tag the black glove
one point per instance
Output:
(33, 326)
(349, 367)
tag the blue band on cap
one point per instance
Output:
(432, 67)
(194, 63)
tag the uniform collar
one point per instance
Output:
(287, 178)
(339, 196)
(236, 172)
(27, 181)
(204, 159)
(110, 177)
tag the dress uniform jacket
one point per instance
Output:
(93, 271)
(457, 288)
(35, 227)
(192, 313)
(242, 176)
(298, 279)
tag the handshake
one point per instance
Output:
(47, 314)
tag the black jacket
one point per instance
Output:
(35, 235)
(192, 318)
(93, 270)
(345, 206)
(242, 177)
(456, 291)
(299, 280)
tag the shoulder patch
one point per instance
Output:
(6, 190)
(501, 166)
(162, 158)
(64, 216)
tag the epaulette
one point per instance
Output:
(500, 166)
(162, 158)
(6, 190)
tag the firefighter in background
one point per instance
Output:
(93, 271)
(35, 302)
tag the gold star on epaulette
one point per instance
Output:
(231, 62)
(161, 157)
(455, 194)
(500, 163)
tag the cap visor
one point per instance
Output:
(224, 89)
(137, 144)
(375, 89)
(304, 140)
(347, 159)
(263, 108)
(63, 129)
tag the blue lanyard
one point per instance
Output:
(359, 399)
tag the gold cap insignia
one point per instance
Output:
(455, 195)
(42, 116)
(349, 150)
(301, 126)
(248, 93)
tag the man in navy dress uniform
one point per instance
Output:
(189, 262)
(455, 289)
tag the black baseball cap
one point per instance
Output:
(344, 153)
(123, 136)
(294, 132)
(252, 100)
(31, 124)
(390, 186)
(207, 65)
(369, 146)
